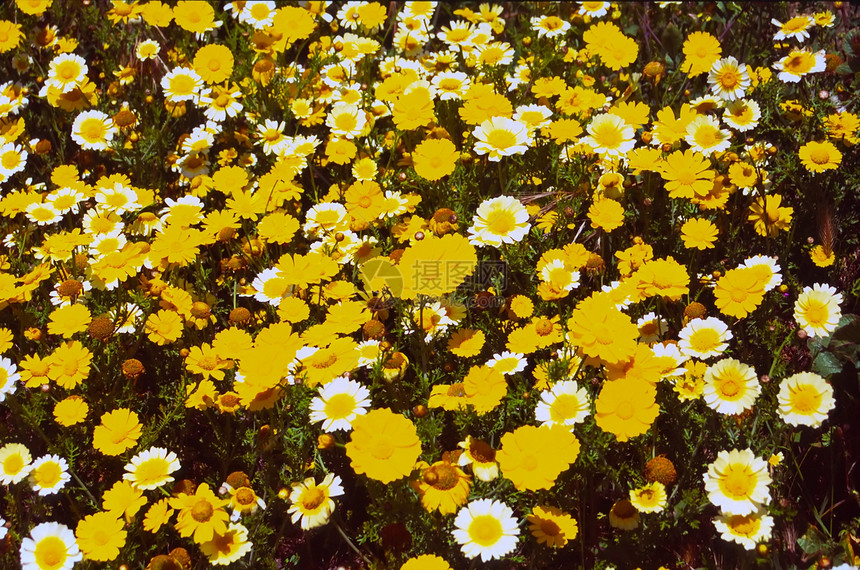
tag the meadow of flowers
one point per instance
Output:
(423, 285)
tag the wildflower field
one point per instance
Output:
(422, 285)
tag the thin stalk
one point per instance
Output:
(352, 544)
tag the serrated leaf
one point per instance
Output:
(826, 364)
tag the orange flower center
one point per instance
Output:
(202, 511)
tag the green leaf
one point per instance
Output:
(826, 364)
(812, 542)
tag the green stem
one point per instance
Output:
(779, 352)
(352, 544)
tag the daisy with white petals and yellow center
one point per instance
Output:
(152, 468)
(499, 220)
(805, 399)
(312, 503)
(565, 404)
(50, 546)
(339, 402)
(501, 136)
(737, 482)
(486, 528)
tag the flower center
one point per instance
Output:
(68, 72)
(449, 84)
(51, 553)
(151, 471)
(48, 474)
(730, 388)
(444, 477)
(13, 464)
(382, 449)
(705, 340)
(313, 498)
(325, 360)
(182, 85)
(729, 79)
(744, 525)
(501, 222)
(625, 410)
(564, 408)
(608, 136)
(93, 130)
(485, 530)
(339, 406)
(501, 139)
(345, 122)
(245, 496)
(819, 155)
(816, 314)
(543, 326)
(706, 136)
(202, 511)
(805, 400)
(737, 482)
(549, 528)
(798, 64)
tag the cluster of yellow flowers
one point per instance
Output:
(459, 250)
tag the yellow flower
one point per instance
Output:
(434, 159)
(10, 35)
(821, 256)
(614, 48)
(442, 486)
(552, 526)
(383, 445)
(624, 515)
(820, 156)
(164, 327)
(533, 457)
(157, 515)
(119, 430)
(626, 407)
(606, 214)
(435, 266)
(70, 364)
(650, 498)
(699, 233)
(123, 499)
(426, 562)
(101, 536)
(687, 174)
(68, 320)
(196, 17)
(466, 342)
(228, 547)
(768, 216)
(73, 410)
(602, 331)
(739, 292)
(701, 51)
(214, 63)
(664, 277)
(484, 388)
(201, 515)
